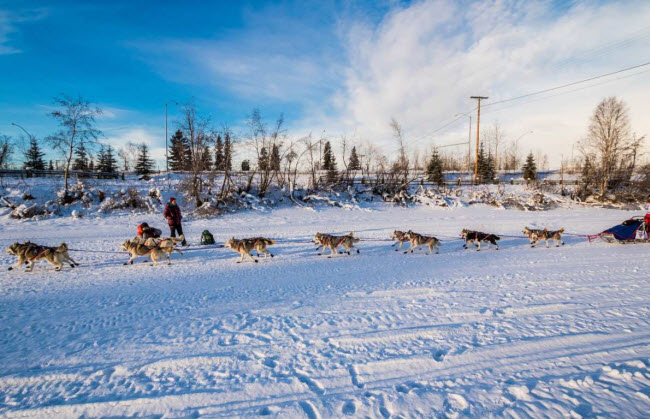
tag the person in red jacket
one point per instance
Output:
(173, 215)
(647, 216)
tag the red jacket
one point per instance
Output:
(173, 214)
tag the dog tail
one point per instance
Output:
(496, 237)
(355, 239)
(561, 230)
(269, 241)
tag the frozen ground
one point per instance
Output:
(520, 332)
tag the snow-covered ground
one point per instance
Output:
(518, 332)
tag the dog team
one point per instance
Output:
(149, 244)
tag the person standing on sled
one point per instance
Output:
(173, 215)
(647, 216)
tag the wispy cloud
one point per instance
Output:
(9, 22)
(421, 63)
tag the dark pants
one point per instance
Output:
(177, 228)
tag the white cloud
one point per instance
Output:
(8, 25)
(6, 28)
(119, 138)
(421, 63)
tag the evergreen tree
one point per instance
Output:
(529, 168)
(145, 164)
(329, 163)
(275, 158)
(434, 169)
(227, 152)
(219, 157)
(206, 158)
(81, 159)
(263, 160)
(34, 156)
(480, 163)
(355, 163)
(106, 160)
(490, 169)
(179, 152)
(91, 165)
(245, 166)
(51, 166)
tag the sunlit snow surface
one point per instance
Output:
(518, 332)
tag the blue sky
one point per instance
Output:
(341, 66)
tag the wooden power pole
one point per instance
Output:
(478, 123)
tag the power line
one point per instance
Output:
(445, 125)
(535, 93)
(567, 85)
(568, 92)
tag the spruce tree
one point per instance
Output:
(529, 169)
(275, 158)
(219, 157)
(329, 163)
(81, 159)
(480, 163)
(91, 164)
(355, 163)
(227, 152)
(178, 152)
(263, 160)
(490, 171)
(434, 169)
(206, 158)
(51, 166)
(107, 162)
(34, 156)
(145, 164)
(245, 165)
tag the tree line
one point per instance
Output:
(609, 153)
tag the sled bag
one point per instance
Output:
(206, 238)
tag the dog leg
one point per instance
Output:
(17, 264)
(73, 264)
(410, 249)
(31, 266)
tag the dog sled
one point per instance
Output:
(629, 231)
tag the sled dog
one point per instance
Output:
(31, 253)
(477, 237)
(400, 236)
(419, 240)
(333, 242)
(536, 235)
(245, 246)
(167, 244)
(137, 249)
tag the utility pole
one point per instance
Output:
(478, 123)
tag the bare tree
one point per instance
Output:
(6, 150)
(609, 143)
(369, 153)
(263, 141)
(313, 159)
(76, 117)
(195, 128)
(129, 155)
(402, 163)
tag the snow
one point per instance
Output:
(519, 332)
